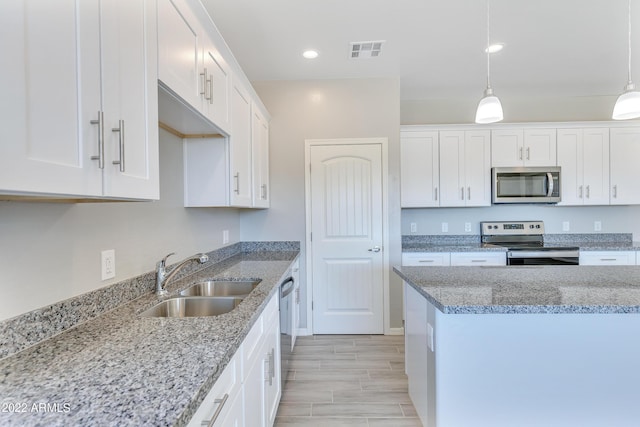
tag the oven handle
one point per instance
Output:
(550, 178)
(285, 291)
(543, 254)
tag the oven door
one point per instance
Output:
(543, 257)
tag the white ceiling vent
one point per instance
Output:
(365, 49)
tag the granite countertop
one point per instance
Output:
(123, 369)
(528, 289)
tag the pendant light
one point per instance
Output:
(628, 104)
(489, 108)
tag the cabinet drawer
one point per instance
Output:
(425, 259)
(253, 341)
(222, 395)
(478, 258)
(608, 258)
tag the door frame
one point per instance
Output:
(384, 145)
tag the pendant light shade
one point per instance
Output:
(489, 108)
(628, 104)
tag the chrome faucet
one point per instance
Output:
(162, 277)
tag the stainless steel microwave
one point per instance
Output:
(526, 185)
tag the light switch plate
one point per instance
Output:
(467, 227)
(445, 227)
(597, 226)
(414, 227)
(566, 225)
(108, 264)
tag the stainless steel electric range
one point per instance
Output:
(525, 244)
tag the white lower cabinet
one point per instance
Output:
(608, 258)
(426, 259)
(478, 258)
(220, 407)
(248, 391)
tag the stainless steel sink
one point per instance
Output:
(221, 288)
(192, 307)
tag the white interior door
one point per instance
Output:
(346, 188)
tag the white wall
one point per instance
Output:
(324, 109)
(51, 251)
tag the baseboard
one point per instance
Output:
(304, 332)
(395, 331)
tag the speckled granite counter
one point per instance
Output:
(535, 289)
(121, 369)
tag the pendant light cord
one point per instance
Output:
(489, 53)
(629, 45)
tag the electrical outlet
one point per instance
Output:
(445, 227)
(566, 225)
(467, 227)
(108, 264)
(597, 226)
(414, 227)
(225, 236)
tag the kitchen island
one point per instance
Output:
(551, 346)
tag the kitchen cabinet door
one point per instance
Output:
(583, 155)
(426, 259)
(523, 147)
(179, 50)
(624, 152)
(272, 382)
(50, 95)
(240, 147)
(419, 169)
(260, 157)
(417, 351)
(465, 178)
(215, 84)
(472, 259)
(130, 103)
(607, 258)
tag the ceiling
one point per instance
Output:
(563, 48)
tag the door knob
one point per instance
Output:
(375, 249)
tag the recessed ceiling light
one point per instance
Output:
(310, 54)
(496, 47)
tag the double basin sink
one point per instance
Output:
(209, 298)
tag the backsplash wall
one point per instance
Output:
(614, 219)
(51, 251)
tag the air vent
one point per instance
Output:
(370, 49)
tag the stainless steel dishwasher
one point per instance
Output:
(286, 325)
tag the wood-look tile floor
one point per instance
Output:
(347, 380)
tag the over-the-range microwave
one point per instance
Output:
(526, 184)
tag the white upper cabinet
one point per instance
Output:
(260, 158)
(465, 178)
(624, 170)
(189, 64)
(583, 155)
(61, 105)
(523, 147)
(240, 146)
(419, 172)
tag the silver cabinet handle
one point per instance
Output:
(270, 362)
(468, 193)
(237, 178)
(478, 260)
(213, 419)
(615, 191)
(210, 81)
(608, 259)
(297, 295)
(520, 153)
(120, 130)
(426, 260)
(374, 249)
(528, 153)
(203, 91)
(436, 191)
(264, 191)
(461, 193)
(588, 192)
(580, 196)
(100, 123)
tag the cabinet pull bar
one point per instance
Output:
(478, 260)
(528, 153)
(580, 196)
(436, 191)
(615, 191)
(120, 130)
(588, 192)
(210, 89)
(272, 365)
(264, 191)
(237, 178)
(520, 153)
(426, 260)
(468, 193)
(203, 91)
(608, 259)
(213, 419)
(100, 123)
(461, 193)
